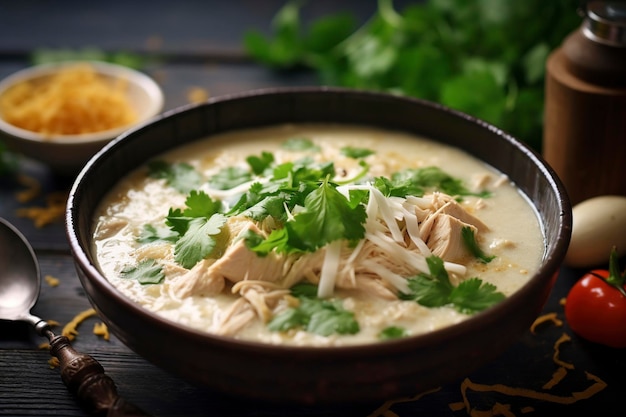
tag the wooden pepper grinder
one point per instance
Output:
(584, 136)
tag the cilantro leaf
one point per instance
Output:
(230, 177)
(315, 315)
(147, 271)
(151, 233)
(449, 48)
(299, 144)
(260, 163)
(435, 290)
(392, 332)
(473, 295)
(417, 181)
(467, 234)
(181, 176)
(198, 242)
(327, 216)
(356, 153)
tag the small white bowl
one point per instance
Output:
(67, 154)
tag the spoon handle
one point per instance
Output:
(85, 378)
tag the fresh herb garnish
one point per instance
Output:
(151, 233)
(180, 176)
(315, 315)
(147, 271)
(197, 225)
(356, 153)
(327, 215)
(467, 234)
(443, 51)
(300, 144)
(436, 290)
(392, 332)
(230, 177)
(417, 181)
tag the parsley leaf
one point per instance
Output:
(181, 176)
(435, 290)
(299, 144)
(392, 332)
(315, 315)
(150, 233)
(439, 50)
(147, 271)
(467, 234)
(196, 227)
(230, 177)
(198, 242)
(356, 153)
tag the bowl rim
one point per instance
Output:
(136, 77)
(382, 348)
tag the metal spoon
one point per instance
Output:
(20, 282)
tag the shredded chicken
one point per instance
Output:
(400, 234)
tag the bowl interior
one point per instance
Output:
(412, 363)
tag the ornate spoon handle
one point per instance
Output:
(85, 378)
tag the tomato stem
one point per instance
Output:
(615, 278)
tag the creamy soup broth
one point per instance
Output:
(508, 229)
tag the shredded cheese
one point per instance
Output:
(76, 100)
(70, 330)
(33, 188)
(51, 281)
(52, 212)
(101, 329)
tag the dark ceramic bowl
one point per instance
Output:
(320, 375)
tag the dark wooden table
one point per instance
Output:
(197, 44)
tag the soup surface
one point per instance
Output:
(317, 235)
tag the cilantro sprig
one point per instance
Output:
(435, 290)
(315, 315)
(443, 51)
(197, 227)
(146, 272)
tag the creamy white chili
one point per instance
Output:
(317, 235)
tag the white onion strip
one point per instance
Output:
(394, 279)
(330, 267)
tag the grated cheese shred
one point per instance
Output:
(76, 100)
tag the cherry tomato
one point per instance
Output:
(595, 307)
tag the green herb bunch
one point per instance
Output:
(483, 57)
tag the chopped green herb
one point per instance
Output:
(260, 163)
(467, 233)
(392, 332)
(356, 153)
(314, 315)
(435, 290)
(198, 241)
(300, 144)
(417, 181)
(147, 271)
(180, 176)
(439, 50)
(150, 233)
(230, 177)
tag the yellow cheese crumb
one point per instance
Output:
(197, 95)
(75, 100)
(101, 329)
(33, 188)
(549, 317)
(52, 212)
(70, 330)
(53, 362)
(51, 281)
